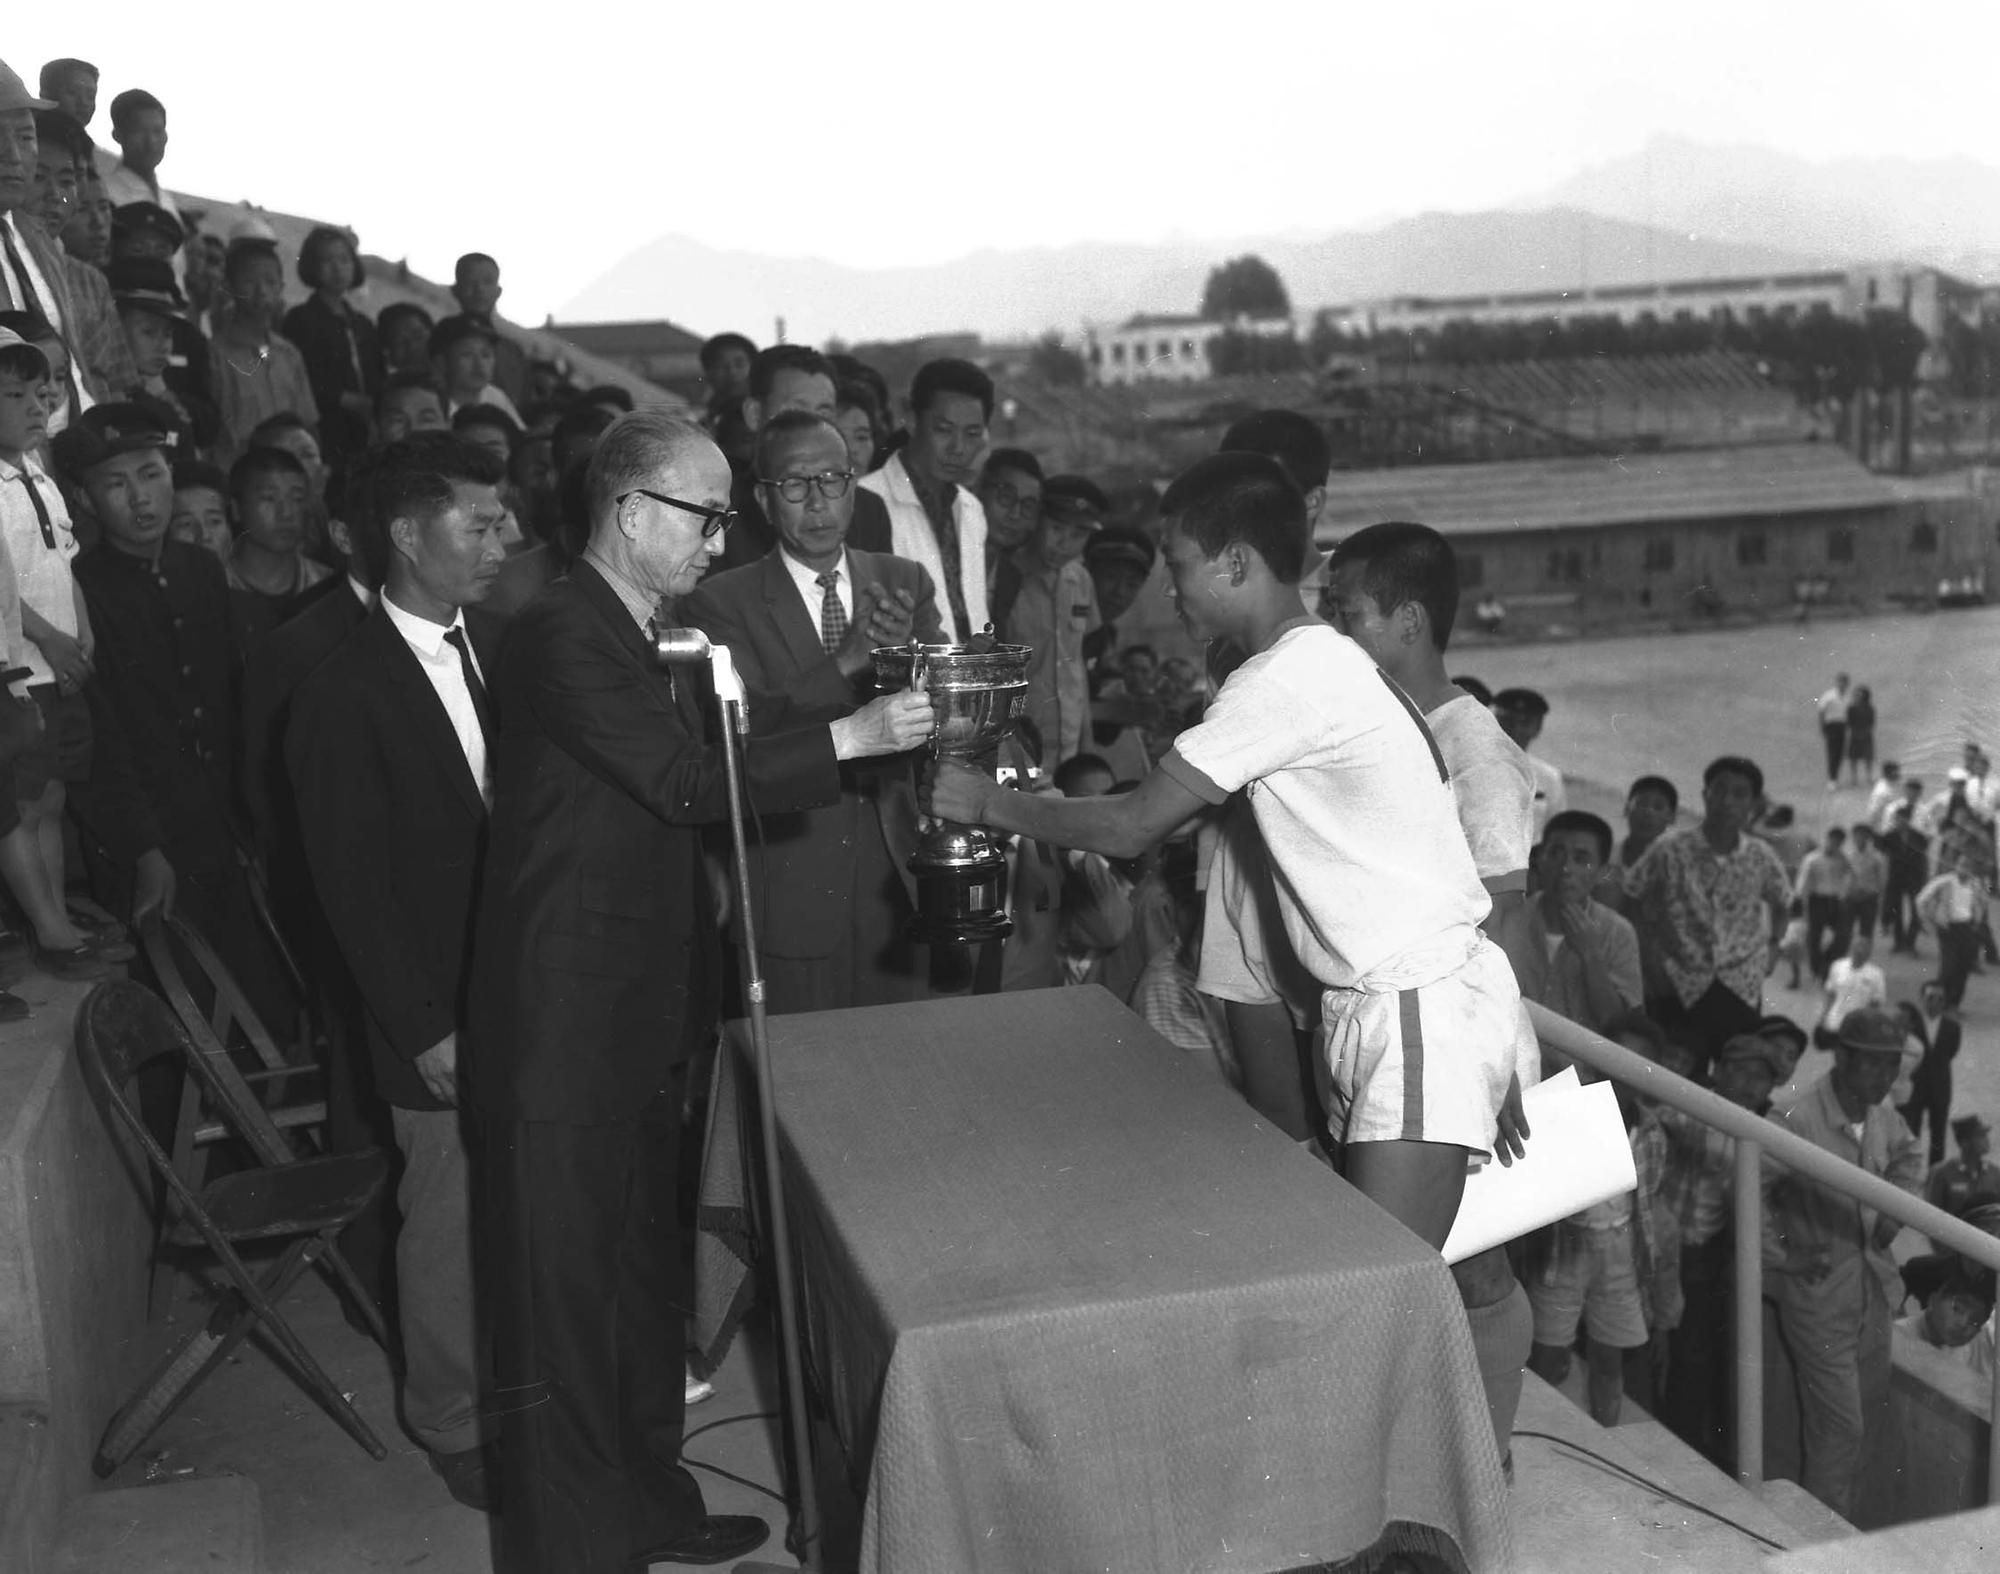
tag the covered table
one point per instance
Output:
(1071, 1305)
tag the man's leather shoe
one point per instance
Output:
(464, 1476)
(719, 1538)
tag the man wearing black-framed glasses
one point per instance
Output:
(595, 980)
(803, 621)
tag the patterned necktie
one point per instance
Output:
(41, 511)
(832, 615)
(456, 637)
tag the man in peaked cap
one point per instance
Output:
(1827, 1256)
(159, 831)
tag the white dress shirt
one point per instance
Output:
(46, 583)
(440, 661)
(807, 580)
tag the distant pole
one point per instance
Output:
(778, 331)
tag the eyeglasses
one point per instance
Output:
(793, 489)
(1023, 505)
(713, 520)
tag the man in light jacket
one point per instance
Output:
(935, 518)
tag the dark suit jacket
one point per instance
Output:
(597, 956)
(395, 831)
(271, 676)
(810, 857)
(753, 536)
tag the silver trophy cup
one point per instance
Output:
(960, 871)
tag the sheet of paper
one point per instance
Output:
(1578, 1154)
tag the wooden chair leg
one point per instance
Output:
(248, 1305)
(189, 1163)
(340, 1273)
(183, 1367)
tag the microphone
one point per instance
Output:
(689, 647)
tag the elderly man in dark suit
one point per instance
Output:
(803, 621)
(594, 982)
(390, 757)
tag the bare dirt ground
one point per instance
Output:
(1670, 703)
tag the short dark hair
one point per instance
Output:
(1010, 459)
(131, 103)
(411, 479)
(773, 359)
(1474, 687)
(198, 475)
(1735, 765)
(283, 421)
(848, 369)
(1529, 702)
(317, 240)
(55, 127)
(1658, 784)
(1228, 499)
(851, 393)
(1296, 441)
(713, 348)
(578, 421)
(257, 463)
(468, 262)
(396, 311)
(1401, 562)
(25, 361)
(789, 423)
(1581, 820)
(404, 382)
(492, 415)
(951, 377)
(57, 72)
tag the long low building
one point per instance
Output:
(1684, 535)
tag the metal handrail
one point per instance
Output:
(1755, 1136)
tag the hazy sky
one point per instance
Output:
(894, 132)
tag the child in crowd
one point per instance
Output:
(149, 303)
(1615, 1267)
(257, 373)
(267, 567)
(462, 355)
(1957, 1319)
(1791, 946)
(50, 636)
(201, 508)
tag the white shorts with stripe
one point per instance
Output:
(1428, 1063)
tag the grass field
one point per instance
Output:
(1670, 703)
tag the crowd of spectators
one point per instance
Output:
(193, 515)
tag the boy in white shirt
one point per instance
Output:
(1377, 891)
(55, 646)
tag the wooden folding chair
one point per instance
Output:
(217, 1017)
(122, 1028)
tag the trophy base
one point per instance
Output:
(961, 894)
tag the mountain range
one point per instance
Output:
(1675, 210)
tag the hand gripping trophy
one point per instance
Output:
(976, 691)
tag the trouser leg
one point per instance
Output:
(441, 1377)
(590, 1341)
(1695, 1402)
(1955, 951)
(1822, 1333)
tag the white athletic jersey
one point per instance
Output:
(1492, 778)
(1353, 800)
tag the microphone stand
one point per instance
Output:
(677, 645)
